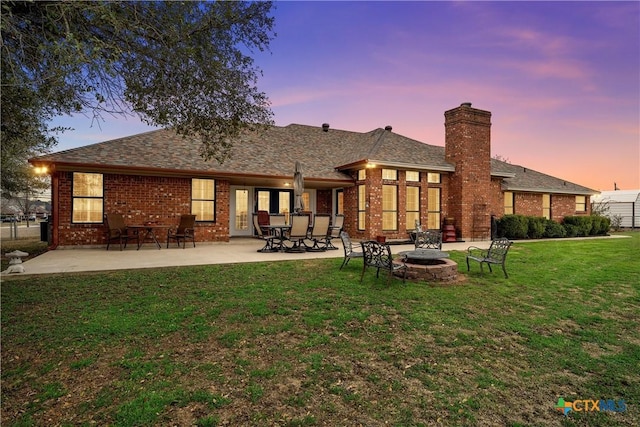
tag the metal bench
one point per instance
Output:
(496, 254)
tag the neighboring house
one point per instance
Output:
(622, 203)
(382, 182)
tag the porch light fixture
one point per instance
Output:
(371, 165)
(40, 170)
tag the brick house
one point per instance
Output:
(382, 182)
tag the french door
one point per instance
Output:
(240, 221)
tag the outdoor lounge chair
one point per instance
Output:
(117, 230)
(430, 239)
(378, 255)
(268, 239)
(348, 249)
(184, 232)
(318, 234)
(334, 231)
(496, 254)
(297, 234)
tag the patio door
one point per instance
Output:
(240, 212)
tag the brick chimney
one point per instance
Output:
(468, 147)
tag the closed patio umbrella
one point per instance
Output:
(298, 188)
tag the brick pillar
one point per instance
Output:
(374, 200)
(468, 147)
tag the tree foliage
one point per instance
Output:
(183, 65)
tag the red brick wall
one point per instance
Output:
(565, 205)
(496, 198)
(350, 210)
(468, 147)
(140, 199)
(530, 204)
(374, 211)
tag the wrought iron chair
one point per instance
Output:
(378, 256)
(348, 249)
(184, 232)
(430, 239)
(496, 254)
(117, 230)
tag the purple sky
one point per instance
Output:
(562, 79)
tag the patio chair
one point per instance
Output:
(117, 230)
(318, 234)
(334, 231)
(430, 239)
(184, 232)
(378, 255)
(299, 232)
(496, 254)
(268, 239)
(309, 214)
(277, 219)
(348, 249)
(263, 221)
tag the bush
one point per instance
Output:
(513, 226)
(572, 230)
(582, 224)
(536, 227)
(601, 225)
(554, 229)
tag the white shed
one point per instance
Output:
(625, 203)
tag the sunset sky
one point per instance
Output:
(561, 79)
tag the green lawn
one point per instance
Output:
(303, 344)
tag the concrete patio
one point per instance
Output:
(237, 250)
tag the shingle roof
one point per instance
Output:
(273, 154)
(520, 178)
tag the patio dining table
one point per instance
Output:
(147, 233)
(280, 231)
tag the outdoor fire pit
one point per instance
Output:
(430, 265)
